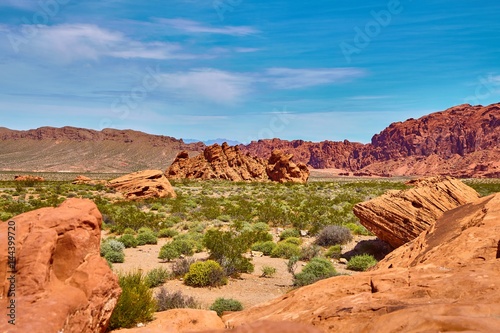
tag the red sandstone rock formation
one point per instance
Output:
(398, 217)
(143, 185)
(281, 169)
(445, 280)
(29, 178)
(61, 282)
(83, 180)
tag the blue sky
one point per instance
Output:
(244, 69)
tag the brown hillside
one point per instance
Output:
(84, 150)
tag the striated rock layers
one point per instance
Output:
(226, 162)
(445, 280)
(398, 217)
(61, 283)
(143, 185)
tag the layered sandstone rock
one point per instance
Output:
(445, 280)
(84, 180)
(281, 169)
(143, 185)
(218, 162)
(267, 326)
(29, 178)
(398, 217)
(179, 321)
(61, 283)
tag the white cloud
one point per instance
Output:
(210, 84)
(70, 42)
(196, 27)
(291, 78)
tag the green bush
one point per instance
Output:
(167, 233)
(129, 231)
(205, 274)
(333, 235)
(334, 251)
(361, 262)
(144, 230)
(285, 250)
(309, 252)
(169, 252)
(268, 271)
(317, 269)
(136, 303)
(147, 237)
(358, 229)
(265, 247)
(174, 300)
(183, 246)
(128, 240)
(223, 304)
(293, 240)
(287, 233)
(261, 227)
(112, 251)
(157, 276)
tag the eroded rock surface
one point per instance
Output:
(84, 180)
(61, 284)
(23, 178)
(143, 185)
(398, 217)
(281, 169)
(445, 280)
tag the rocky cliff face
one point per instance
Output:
(60, 283)
(226, 162)
(462, 141)
(445, 280)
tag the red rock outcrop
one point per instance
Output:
(179, 321)
(398, 217)
(28, 178)
(143, 185)
(445, 280)
(266, 326)
(218, 162)
(280, 168)
(84, 180)
(61, 283)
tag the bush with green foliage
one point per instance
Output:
(361, 262)
(333, 235)
(136, 303)
(157, 276)
(167, 233)
(285, 250)
(293, 240)
(334, 251)
(287, 233)
(129, 231)
(315, 270)
(128, 240)
(225, 304)
(166, 300)
(268, 271)
(146, 237)
(227, 248)
(265, 247)
(205, 274)
(112, 251)
(169, 252)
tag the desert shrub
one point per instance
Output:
(268, 271)
(144, 230)
(309, 252)
(146, 237)
(265, 247)
(358, 229)
(194, 239)
(285, 250)
(112, 251)
(169, 252)
(136, 303)
(227, 248)
(333, 235)
(183, 246)
(224, 304)
(334, 251)
(128, 240)
(114, 257)
(129, 231)
(174, 300)
(293, 240)
(261, 227)
(287, 233)
(317, 269)
(361, 262)
(167, 233)
(157, 276)
(205, 274)
(291, 264)
(181, 267)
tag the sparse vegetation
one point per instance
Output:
(166, 300)
(315, 270)
(222, 304)
(268, 271)
(333, 235)
(361, 262)
(157, 276)
(205, 274)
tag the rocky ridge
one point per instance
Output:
(143, 185)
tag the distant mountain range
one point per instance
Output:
(218, 141)
(462, 141)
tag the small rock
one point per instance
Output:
(343, 261)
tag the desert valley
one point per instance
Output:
(123, 231)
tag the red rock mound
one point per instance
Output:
(226, 162)
(398, 217)
(143, 185)
(29, 178)
(445, 280)
(84, 180)
(61, 284)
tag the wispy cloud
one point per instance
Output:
(190, 26)
(213, 85)
(291, 78)
(71, 42)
